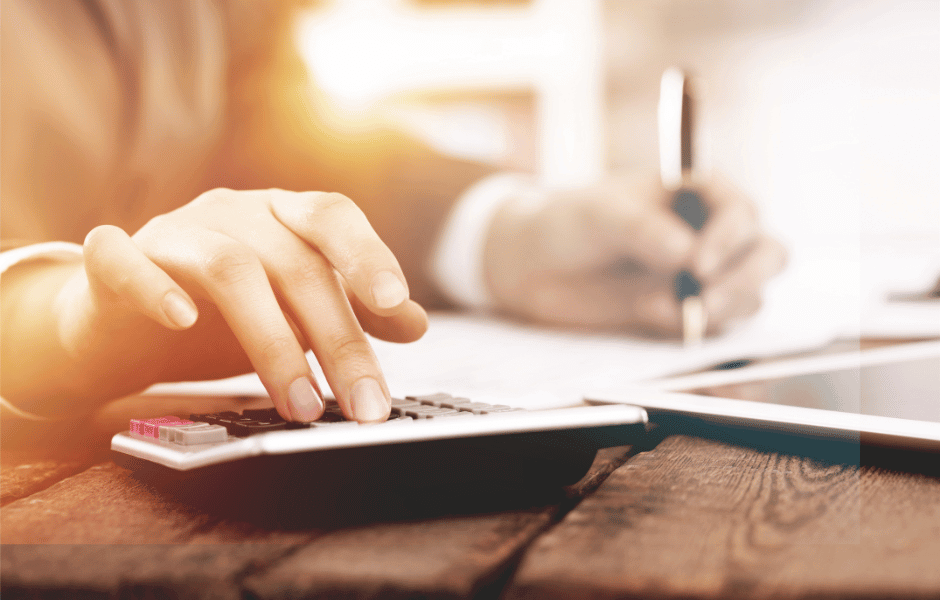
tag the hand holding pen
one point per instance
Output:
(615, 255)
(676, 159)
(676, 126)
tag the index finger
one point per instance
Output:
(335, 226)
(649, 232)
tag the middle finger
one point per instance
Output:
(318, 303)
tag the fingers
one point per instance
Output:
(407, 325)
(645, 306)
(730, 230)
(660, 240)
(639, 224)
(233, 277)
(336, 227)
(281, 245)
(318, 304)
(115, 263)
(737, 293)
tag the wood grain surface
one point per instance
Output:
(21, 476)
(106, 532)
(698, 518)
(103, 533)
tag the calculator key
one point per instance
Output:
(400, 421)
(399, 403)
(191, 435)
(246, 428)
(427, 412)
(262, 414)
(430, 399)
(477, 408)
(331, 416)
(150, 427)
(211, 418)
(165, 432)
(330, 424)
(455, 403)
(173, 433)
(227, 422)
(498, 408)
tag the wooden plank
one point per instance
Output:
(118, 534)
(102, 505)
(209, 571)
(114, 535)
(444, 556)
(22, 476)
(695, 518)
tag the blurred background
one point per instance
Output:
(824, 111)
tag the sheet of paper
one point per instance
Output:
(502, 361)
(897, 275)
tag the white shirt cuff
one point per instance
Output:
(58, 251)
(457, 260)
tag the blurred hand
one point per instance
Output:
(236, 281)
(607, 256)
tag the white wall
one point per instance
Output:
(834, 126)
(364, 51)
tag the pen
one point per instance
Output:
(675, 126)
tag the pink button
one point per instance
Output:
(151, 427)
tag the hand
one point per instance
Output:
(235, 281)
(607, 256)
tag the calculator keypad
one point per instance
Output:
(217, 427)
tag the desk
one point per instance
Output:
(695, 516)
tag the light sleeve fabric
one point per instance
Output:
(457, 265)
(57, 251)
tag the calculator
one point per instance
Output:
(440, 422)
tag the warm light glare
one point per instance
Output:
(363, 51)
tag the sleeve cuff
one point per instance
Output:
(457, 260)
(49, 250)
(60, 251)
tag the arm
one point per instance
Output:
(226, 283)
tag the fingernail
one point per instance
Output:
(368, 401)
(388, 290)
(305, 403)
(179, 310)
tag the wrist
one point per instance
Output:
(507, 258)
(459, 261)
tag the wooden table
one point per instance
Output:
(711, 514)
